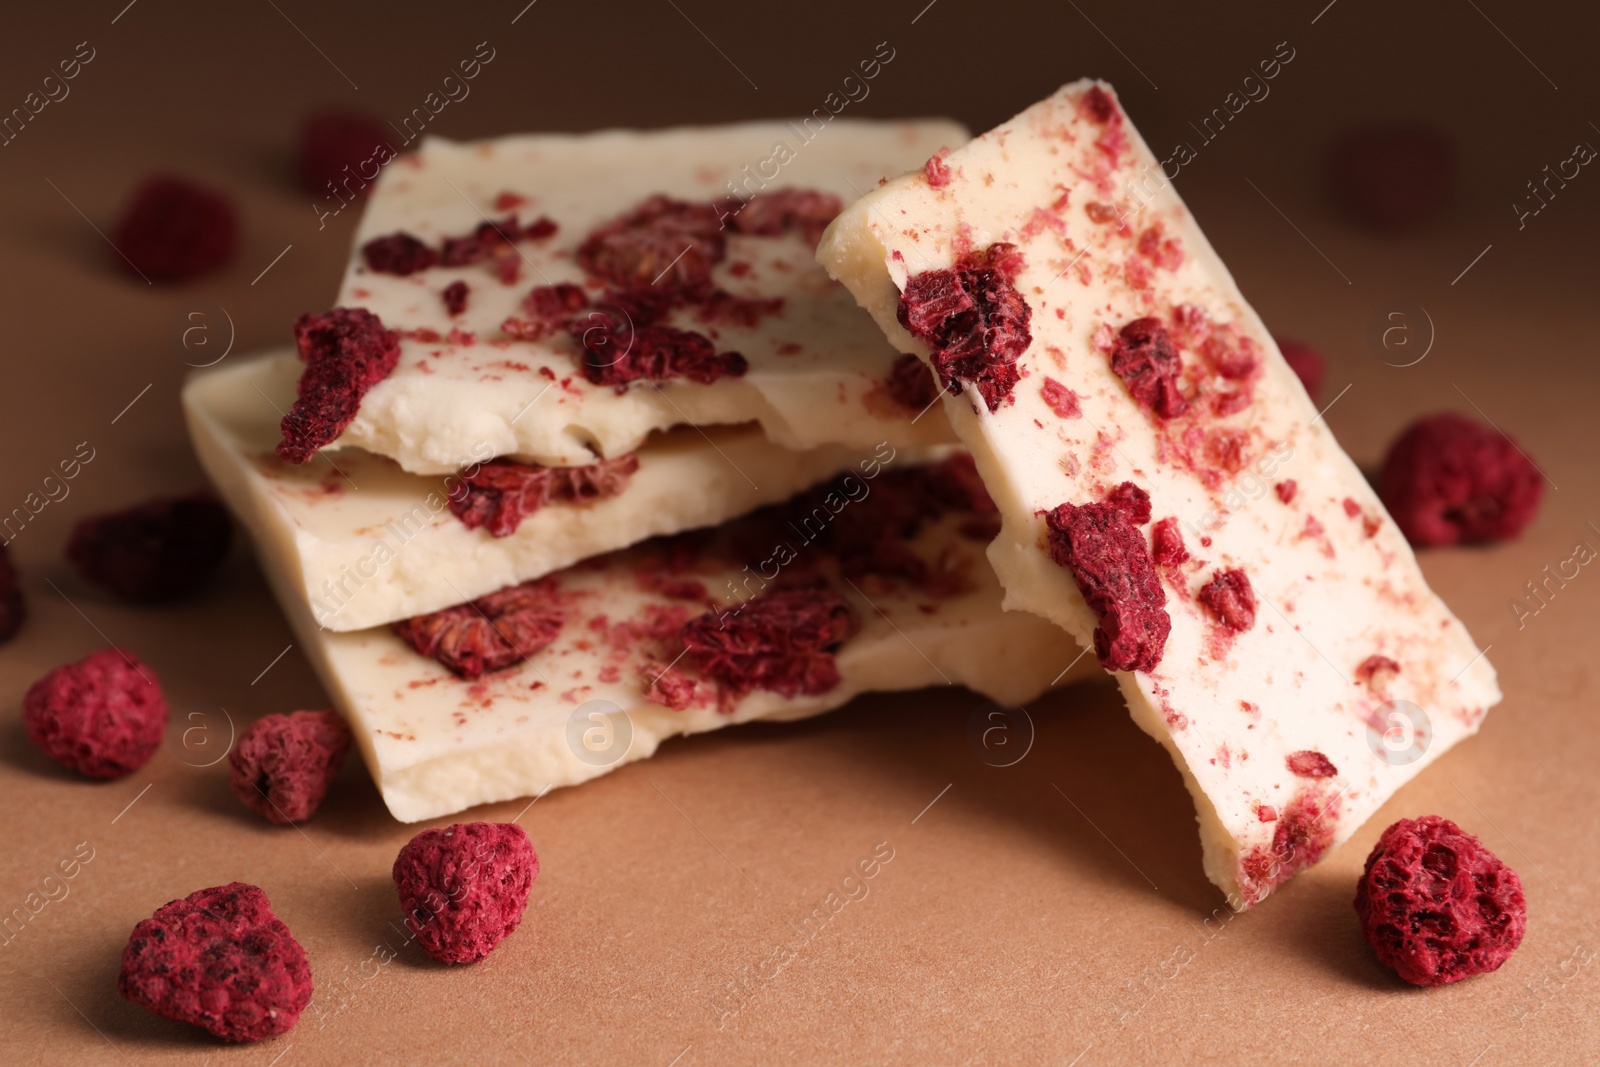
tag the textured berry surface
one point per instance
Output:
(1230, 599)
(1394, 177)
(398, 253)
(220, 959)
(662, 242)
(782, 640)
(1452, 480)
(501, 493)
(771, 214)
(159, 551)
(282, 765)
(1436, 905)
(464, 888)
(621, 344)
(490, 633)
(1144, 358)
(13, 607)
(174, 230)
(330, 142)
(974, 321)
(102, 716)
(346, 352)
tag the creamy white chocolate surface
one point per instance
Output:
(815, 367)
(365, 543)
(1105, 240)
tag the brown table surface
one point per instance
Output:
(1052, 911)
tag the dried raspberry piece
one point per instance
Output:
(1098, 105)
(547, 309)
(1144, 358)
(782, 640)
(722, 306)
(102, 716)
(1392, 177)
(220, 959)
(1166, 543)
(454, 296)
(1060, 399)
(174, 230)
(490, 633)
(488, 240)
(13, 607)
(465, 887)
(617, 350)
(937, 170)
(334, 142)
(346, 351)
(974, 320)
(159, 551)
(1449, 479)
(910, 384)
(771, 214)
(1307, 364)
(661, 242)
(1231, 599)
(1436, 905)
(1376, 672)
(283, 764)
(501, 493)
(1134, 502)
(1286, 490)
(1311, 764)
(1107, 555)
(398, 253)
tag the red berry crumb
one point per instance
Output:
(911, 384)
(1098, 105)
(1436, 905)
(1105, 551)
(1307, 364)
(398, 253)
(1450, 479)
(159, 551)
(621, 344)
(1311, 764)
(1144, 358)
(346, 351)
(283, 764)
(636, 250)
(490, 633)
(1166, 543)
(1392, 177)
(974, 320)
(1060, 399)
(782, 640)
(501, 493)
(464, 887)
(937, 170)
(220, 959)
(13, 607)
(454, 296)
(1376, 672)
(1286, 490)
(102, 716)
(1231, 599)
(335, 146)
(173, 230)
(771, 214)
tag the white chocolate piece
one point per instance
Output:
(1089, 209)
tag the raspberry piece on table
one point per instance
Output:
(1450, 479)
(1231, 599)
(501, 493)
(346, 352)
(331, 141)
(782, 640)
(398, 253)
(662, 242)
(174, 230)
(911, 384)
(973, 320)
(282, 765)
(162, 550)
(220, 959)
(1144, 357)
(1436, 905)
(464, 888)
(490, 633)
(1106, 552)
(102, 716)
(13, 607)
(1394, 177)
(1307, 364)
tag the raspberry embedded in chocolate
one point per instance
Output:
(1098, 105)
(1107, 555)
(346, 352)
(398, 253)
(617, 349)
(282, 765)
(1307, 364)
(335, 147)
(156, 552)
(1449, 479)
(663, 241)
(1144, 358)
(13, 606)
(771, 214)
(973, 320)
(782, 640)
(491, 633)
(454, 296)
(464, 888)
(1286, 490)
(1436, 905)
(911, 385)
(1134, 502)
(174, 230)
(501, 493)
(1060, 399)
(937, 170)
(1230, 599)
(102, 716)
(490, 239)
(1166, 543)
(220, 959)
(1376, 672)
(1311, 764)
(1393, 177)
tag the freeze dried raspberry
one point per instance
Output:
(487, 240)
(159, 551)
(491, 633)
(220, 959)
(803, 211)
(1376, 672)
(1098, 105)
(1286, 490)
(346, 352)
(333, 147)
(398, 253)
(911, 385)
(937, 170)
(546, 311)
(1436, 905)
(283, 764)
(502, 492)
(1060, 399)
(782, 640)
(454, 296)
(661, 242)
(617, 350)
(1392, 177)
(1311, 764)
(1450, 479)
(13, 608)
(1166, 543)
(974, 320)
(1134, 502)
(1107, 555)
(173, 230)
(465, 887)
(102, 716)
(1144, 358)
(1231, 599)
(1306, 362)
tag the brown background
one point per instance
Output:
(1041, 912)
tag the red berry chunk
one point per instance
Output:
(974, 320)
(13, 607)
(1166, 543)
(1436, 905)
(220, 959)
(490, 633)
(341, 147)
(159, 551)
(501, 493)
(662, 242)
(782, 640)
(398, 253)
(1144, 358)
(454, 296)
(346, 351)
(174, 230)
(911, 384)
(464, 888)
(1060, 399)
(1393, 178)
(1307, 364)
(1311, 764)
(1450, 479)
(283, 764)
(803, 211)
(619, 348)
(102, 716)
(1231, 599)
